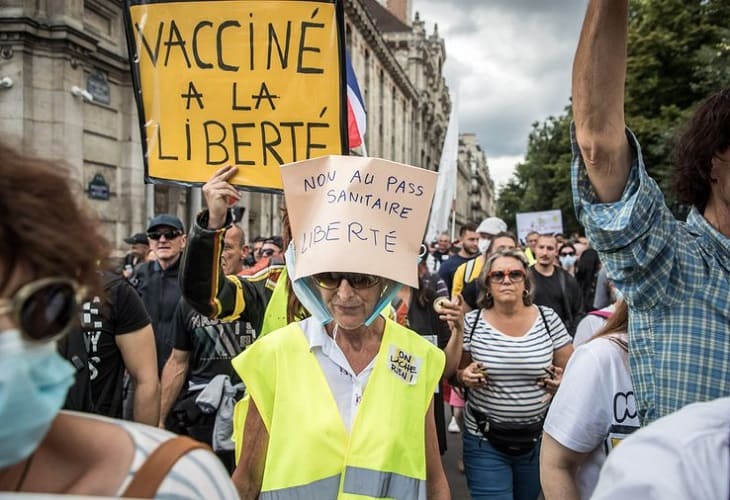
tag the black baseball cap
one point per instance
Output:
(165, 220)
(136, 238)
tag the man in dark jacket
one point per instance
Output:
(157, 281)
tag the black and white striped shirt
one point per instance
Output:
(513, 364)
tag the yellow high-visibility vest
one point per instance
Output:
(310, 453)
(275, 315)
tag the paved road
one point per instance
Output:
(457, 480)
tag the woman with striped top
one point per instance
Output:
(512, 364)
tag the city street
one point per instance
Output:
(457, 480)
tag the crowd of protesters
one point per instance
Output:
(552, 352)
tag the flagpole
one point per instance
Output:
(453, 220)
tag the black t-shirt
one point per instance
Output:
(470, 293)
(119, 312)
(212, 343)
(548, 293)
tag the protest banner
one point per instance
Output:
(544, 222)
(252, 83)
(356, 214)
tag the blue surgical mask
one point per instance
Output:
(34, 380)
(567, 260)
(309, 296)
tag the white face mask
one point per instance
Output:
(484, 244)
(567, 260)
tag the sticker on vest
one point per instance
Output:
(405, 366)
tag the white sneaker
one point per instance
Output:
(453, 425)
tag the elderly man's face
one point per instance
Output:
(233, 251)
(443, 244)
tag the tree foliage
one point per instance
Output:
(679, 53)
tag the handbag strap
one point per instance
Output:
(474, 325)
(149, 477)
(547, 327)
(564, 292)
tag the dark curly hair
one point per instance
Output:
(43, 224)
(707, 134)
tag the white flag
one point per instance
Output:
(446, 185)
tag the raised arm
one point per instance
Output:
(599, 75)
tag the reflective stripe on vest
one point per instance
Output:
(379, 484)
(317, 490)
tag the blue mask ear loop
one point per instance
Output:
(386, 298)
(306, 290)
(308, 294)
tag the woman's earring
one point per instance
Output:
(525, 292)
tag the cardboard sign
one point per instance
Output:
(354, 214)
(545, 222)
(255, 83)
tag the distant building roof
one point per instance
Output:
(385, 20)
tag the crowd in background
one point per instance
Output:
(551, 353)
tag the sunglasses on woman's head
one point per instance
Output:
(515, 276)
(44, 309)
(331, 281)
(169, 235)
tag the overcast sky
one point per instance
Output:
(508, 65)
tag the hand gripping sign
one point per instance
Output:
(355, 214)
(254, 83)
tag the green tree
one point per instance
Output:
(679, 52)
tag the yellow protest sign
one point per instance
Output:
(252, 83)
(355, 214)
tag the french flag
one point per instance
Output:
(356, 116)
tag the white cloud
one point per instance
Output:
(509, 62)
(501, 168)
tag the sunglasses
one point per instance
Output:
(331, 281)
(169, 235)
(515, 276)
(44, 309)
(566, 254)
(267, 253)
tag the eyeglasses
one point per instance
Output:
(331, 281)
(169, 235)
(514, 275)
(566, 254)
(44, 309)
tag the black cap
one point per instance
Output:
(165, 220)
(276, 240)
(136, 238)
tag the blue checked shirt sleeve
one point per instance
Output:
(647, 252)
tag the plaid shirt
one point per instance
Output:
(675, 277)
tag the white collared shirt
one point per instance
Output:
(347, 387)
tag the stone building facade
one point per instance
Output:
(480, 194)
(66, 93)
